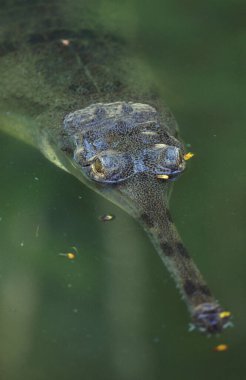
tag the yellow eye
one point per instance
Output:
(188, 155)
(225, 314)
(221, 347)
(97, 167)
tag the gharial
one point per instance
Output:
(74, 91)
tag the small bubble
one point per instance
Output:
(22, 244)
(65, 42)
(37, 231)
(69, 285)
(36, 178)
(75, 310)
(106, 217)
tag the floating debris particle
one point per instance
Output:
(221, 347)
(106, 217)
(70, 255)
(36, 178)
(162, 176)
(188, 156)
(22, 244)
(65, 42)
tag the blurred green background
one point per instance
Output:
(113, 312)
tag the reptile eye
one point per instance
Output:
(111, 167)
(97, 167)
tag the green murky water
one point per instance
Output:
(113, 312)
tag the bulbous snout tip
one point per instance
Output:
(210, 318)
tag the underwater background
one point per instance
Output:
(113, 312)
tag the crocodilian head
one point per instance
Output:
(113, 142)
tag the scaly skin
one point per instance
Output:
(74, 92)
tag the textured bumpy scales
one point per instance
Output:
(131, 129)
(73, 90)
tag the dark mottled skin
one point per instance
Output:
(88, 106)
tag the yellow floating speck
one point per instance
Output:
(162, 176)
(188, 155)
(221, 347)
(71, 255)
(225, 314)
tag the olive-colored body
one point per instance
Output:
(76, 93)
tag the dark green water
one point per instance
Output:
(113, 313)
